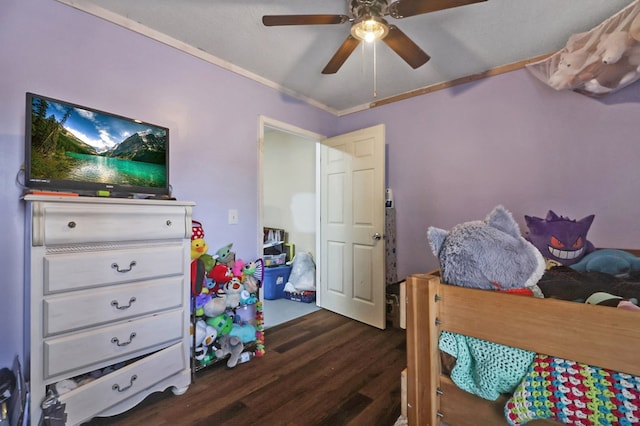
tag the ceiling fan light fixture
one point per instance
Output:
(370, 28)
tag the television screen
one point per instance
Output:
(79, 149)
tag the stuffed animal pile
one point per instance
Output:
(597, 62)
(228, 314)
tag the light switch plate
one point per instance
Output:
(233, 217)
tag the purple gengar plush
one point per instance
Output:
(560, 239)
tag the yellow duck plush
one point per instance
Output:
(201, 262)
(198, 248)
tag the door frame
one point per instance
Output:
(317, 138)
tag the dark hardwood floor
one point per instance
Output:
(320, 369)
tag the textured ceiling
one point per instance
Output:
(462, 41)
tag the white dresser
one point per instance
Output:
(108, 281)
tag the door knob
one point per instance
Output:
(377, 236)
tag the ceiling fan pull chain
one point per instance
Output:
(375, 68)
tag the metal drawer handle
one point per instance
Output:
(117, 305)
(117, 387)
(117, 267)
(169, 222)
(71, 224)
(117, 341)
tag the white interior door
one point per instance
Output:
(352, 266)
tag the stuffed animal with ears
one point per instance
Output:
(489, 254)
(614, 45)
(225, 255)
(229, 345)
(562, 241)
(569, 65)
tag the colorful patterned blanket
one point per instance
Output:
(574, 393)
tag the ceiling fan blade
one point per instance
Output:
(405, 47)
(341, 55)
(405, 8)
(273, 20)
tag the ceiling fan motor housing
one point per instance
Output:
(363, 8)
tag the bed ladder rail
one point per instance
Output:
(423, 358)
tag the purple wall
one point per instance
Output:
(57, 51)
(455, 154)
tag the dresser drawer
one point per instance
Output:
(86, 269)
(76, 352)
(87, 400)
(90, 308)
(63, 223)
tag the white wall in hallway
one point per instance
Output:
(289, 179)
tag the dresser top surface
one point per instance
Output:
(104, 200)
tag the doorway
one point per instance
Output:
(289, 159)
(349, 191)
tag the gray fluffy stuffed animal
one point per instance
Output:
(489, 254)
(229, 345)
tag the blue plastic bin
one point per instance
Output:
(274, 280)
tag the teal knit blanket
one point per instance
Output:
(485, 368)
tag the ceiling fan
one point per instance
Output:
(368, 24)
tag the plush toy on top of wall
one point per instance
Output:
(601, 77)
(599, 61)
(569, 64)
(562, 241)
(614, 45)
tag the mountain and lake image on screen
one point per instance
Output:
(83, 148)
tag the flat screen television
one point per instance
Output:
(77, 149)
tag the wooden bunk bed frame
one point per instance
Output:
(595, 335)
